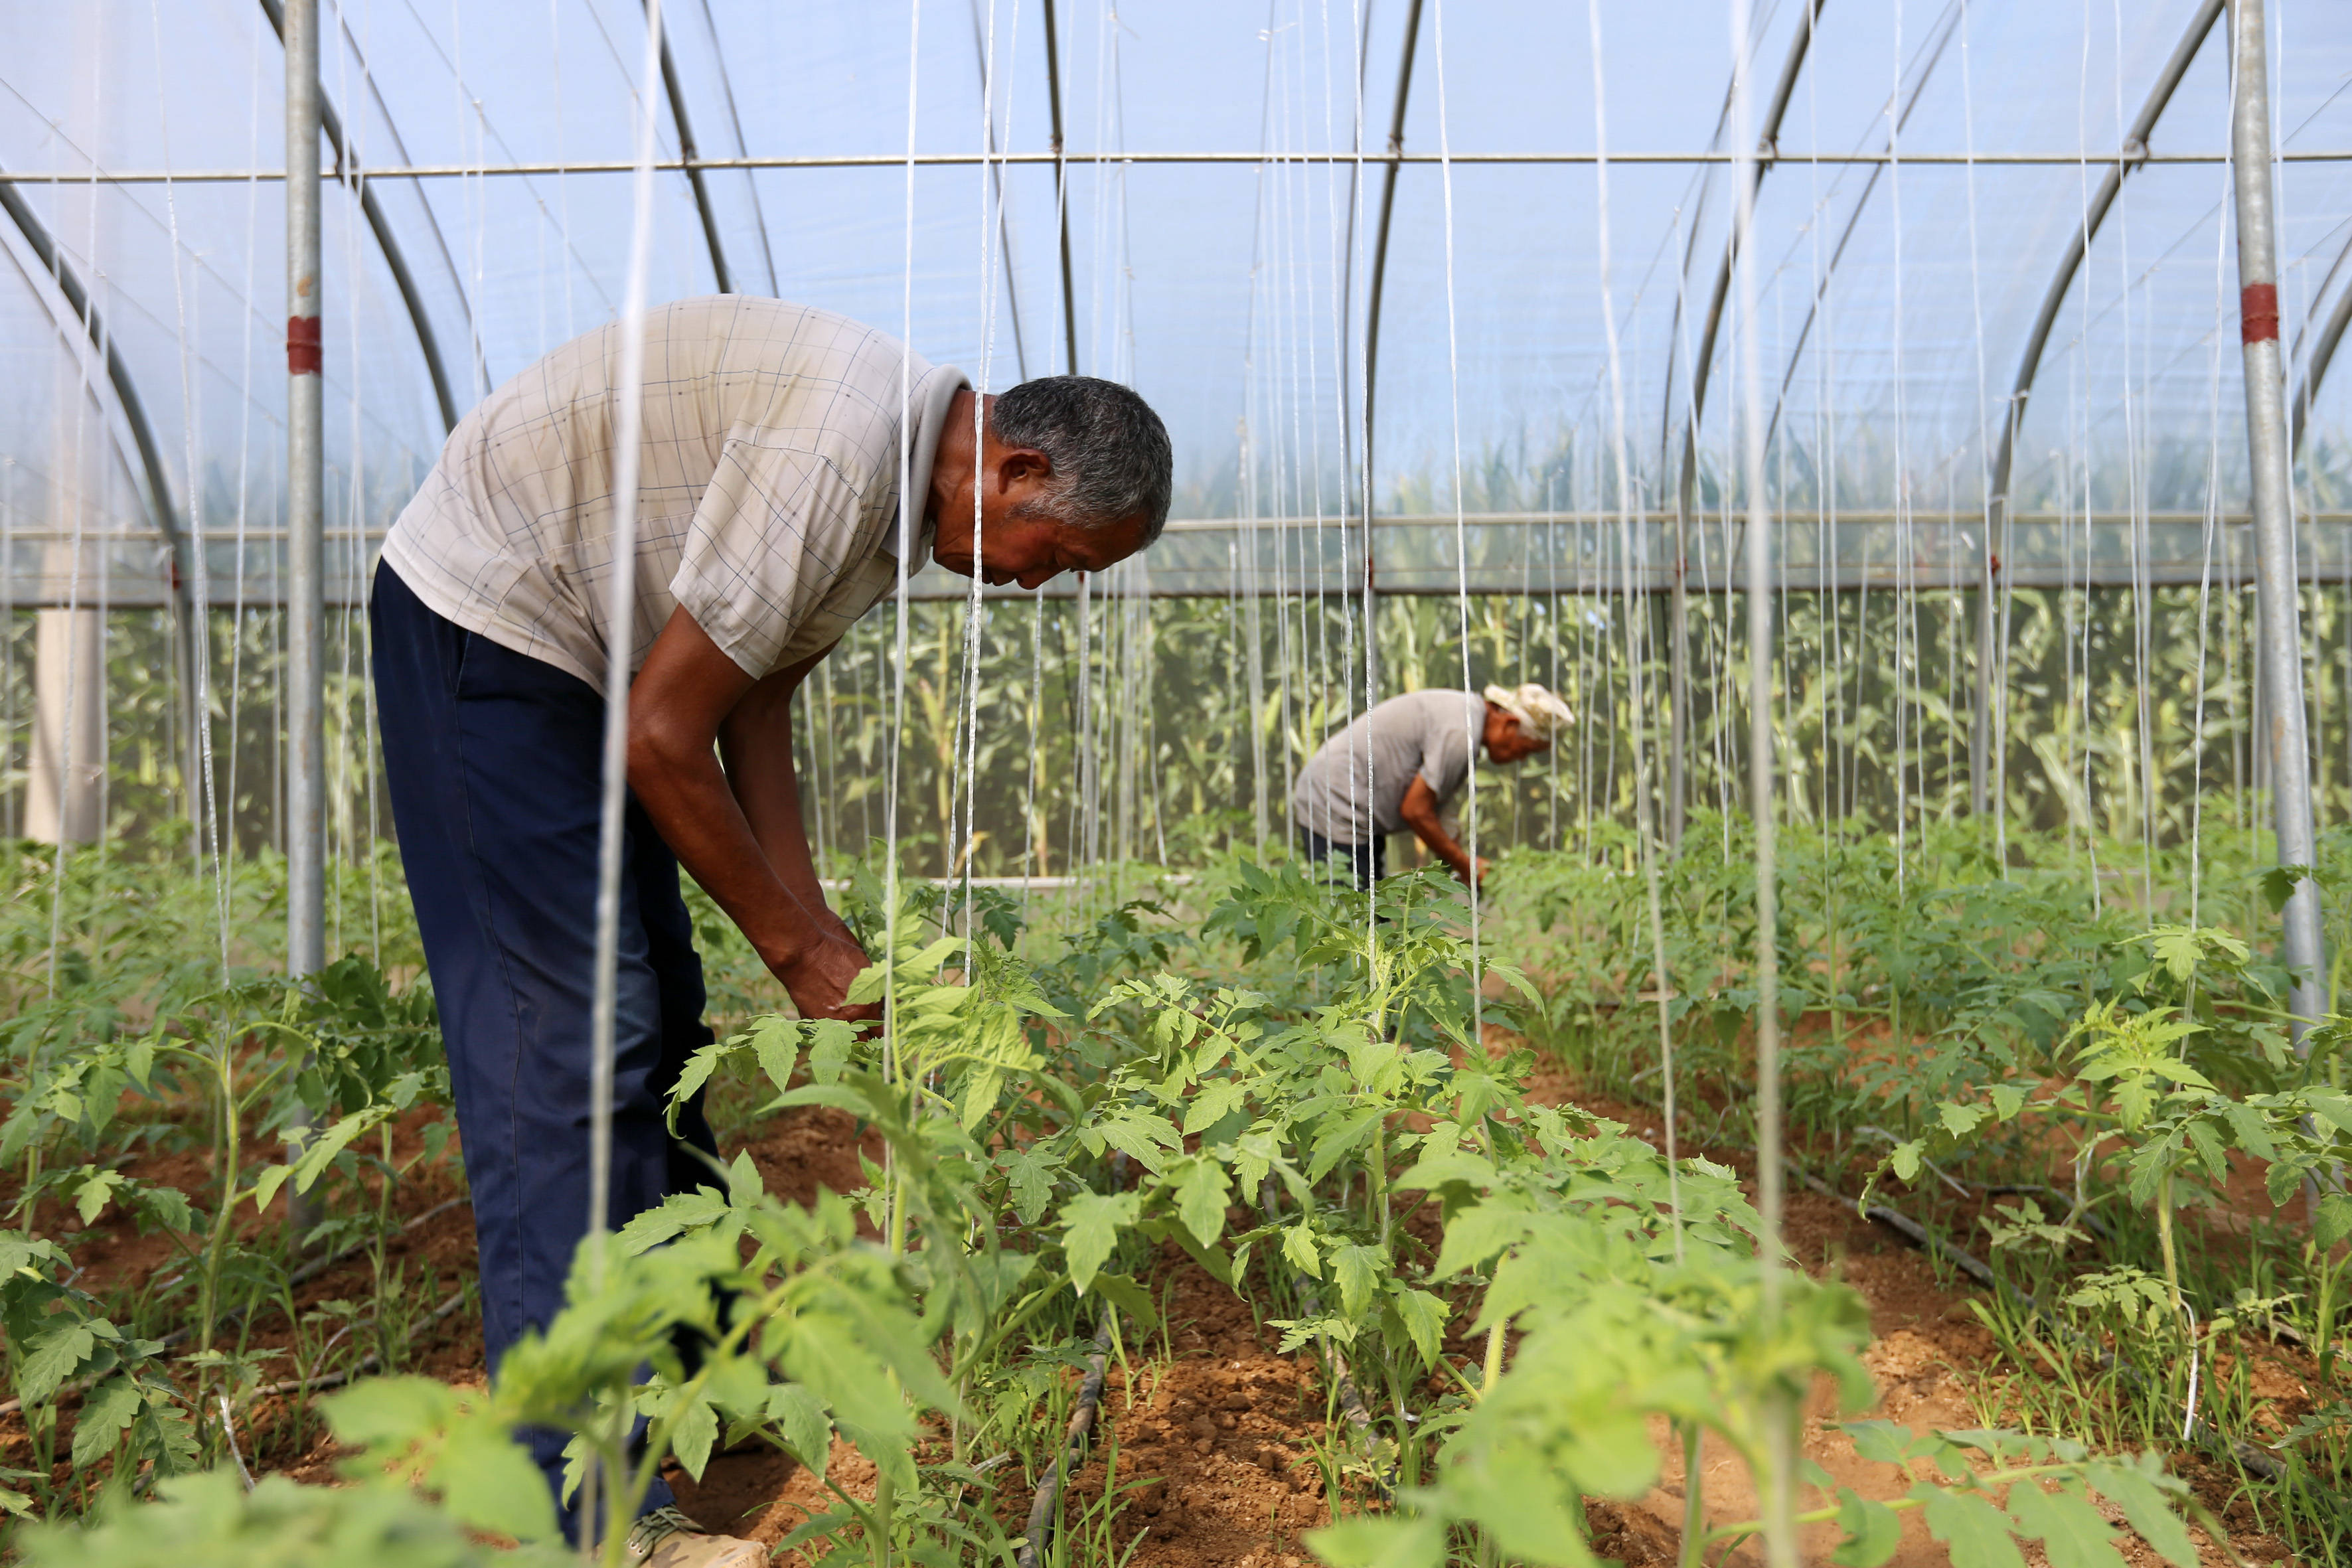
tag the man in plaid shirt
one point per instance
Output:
(768, 520)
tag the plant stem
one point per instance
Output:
(229, 1151)
(2164, 1239)
(1695, 1536)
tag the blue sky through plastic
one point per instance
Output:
(1894, 300)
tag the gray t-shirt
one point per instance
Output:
(1351, 791)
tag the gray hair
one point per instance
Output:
(1112, 460)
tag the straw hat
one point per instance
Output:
(1536, 710)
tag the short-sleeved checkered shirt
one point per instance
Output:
(768, 488)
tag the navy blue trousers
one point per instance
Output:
(1365, 863)
(493, 761)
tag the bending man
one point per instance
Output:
(1399, 765)
(769, 516)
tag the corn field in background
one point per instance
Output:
(1197, 713)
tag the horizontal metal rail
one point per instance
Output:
(1969, 517)
(1944, 556)
(1243, 159)
(1508, 583)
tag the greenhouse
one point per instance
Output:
(1393, 784)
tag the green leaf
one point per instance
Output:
(2278, 884)
(1528, 1503)
(1961, 1120)
(693, 1075)
(1976, 1533)
(56, 1356)
(1476, 1234)
(1359, 1270)
(1423, 1316)
(1201, 1200)
(1030, 1175)
(490, 1481)
(1363, 1542)
(90, 1202)
(2068, 1527)
(693, 1434)
(1213, 1102)
(800, 1421)
(1298, 1246)
(266, 1185)
(2209, 1150)
(867, 987)
(2136, 1491)
(1907, 1158)
(1091, 1224)
(1873, 1530)
(2334, 1221)
(1881, 1440)
(106, 1415)
(678, 1213)
(1130, 1298)
(389, 1413)
(1336, 1142)
(776, 1043)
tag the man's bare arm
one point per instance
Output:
(755, 743)
(682, 698)
(1418, 809)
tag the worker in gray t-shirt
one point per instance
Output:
(1398, 764)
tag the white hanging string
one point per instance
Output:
(1779, 1534)
(2078, 437)
(2135, 489)
(202, 801)
(244, 471)
(961, 851)
(1634, 702)
(620, 640)
(1358, 286)
(906, 504)
(1906, 673)
(358, 739)
(2212, 528)
(1995, 738)
(91, 358)
(1461, 520)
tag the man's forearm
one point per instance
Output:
(1432, 834)
(774, 817)
(688, 800)
(755, 744)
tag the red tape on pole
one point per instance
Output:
(2258, 313)
(302, 344)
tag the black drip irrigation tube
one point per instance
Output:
(1044, 1509)
(2201, 1434)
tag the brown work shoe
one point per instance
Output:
(667, 1539)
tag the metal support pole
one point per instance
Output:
(1982, 740)
(2275, 589)
(306, 610)
(305, 506)
(1061, 191)
(1678, 696)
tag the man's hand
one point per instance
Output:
(818, 976)
(1479, 879)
